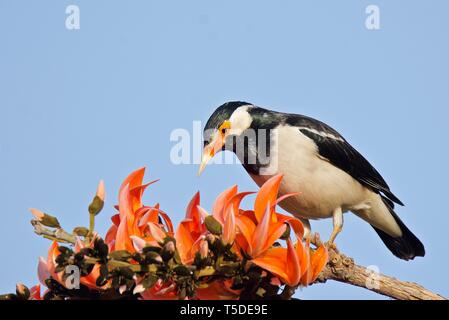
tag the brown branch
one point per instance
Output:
(57, 234)
(343, 269)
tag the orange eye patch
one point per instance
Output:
(225, 125)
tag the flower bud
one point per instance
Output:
(98, 202)
(44, 218)
(168, 251)
(39, 215)
(22, 291)
(101, 191)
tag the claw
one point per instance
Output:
(331, 246)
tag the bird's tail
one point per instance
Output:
(406, 247)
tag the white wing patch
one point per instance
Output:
(322, 133)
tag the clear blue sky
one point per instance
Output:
(77, 106)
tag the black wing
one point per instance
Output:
(333, 147)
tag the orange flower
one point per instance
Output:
(318, 260)
(134, 219)
(230, 212)
(284, 263)
(255, 234)
(259, 230)
(221, 202)
(91, 278)
(190, 231)
(255, 238)
(47, 268)
(51, 264)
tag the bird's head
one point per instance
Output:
(228, 120)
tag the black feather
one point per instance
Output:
(342, 155)
(406, 247)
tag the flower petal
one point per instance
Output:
(134, 179)
(229, 227)
(318, 261)
(156, 232)
(184, 241)
(293, 264)
(138, 243)
(122, 240)
(138, 289)
(35, 292)
(221, 201)
(53, 253)
(42, 271)
(246, 227)
(260, 236)
(37, 213)
(101, 190)
(267, 195)
(274, 260)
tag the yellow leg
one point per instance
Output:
(307, 229)
(338, 225)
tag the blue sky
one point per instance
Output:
(100, 102)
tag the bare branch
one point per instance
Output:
(343, 269)
(57, 234)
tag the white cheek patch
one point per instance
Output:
(240, 120)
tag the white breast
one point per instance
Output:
(322, 186)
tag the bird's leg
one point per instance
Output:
(312, 237)
(307, 229)
(338, 226)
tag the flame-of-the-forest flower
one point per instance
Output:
(261, 228)
(90, 279)
(135, 219)
(190, 231)
(47, 268)
(247, 239)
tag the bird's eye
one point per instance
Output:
(224, 126)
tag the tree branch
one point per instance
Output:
(57, 234)
(343, 269)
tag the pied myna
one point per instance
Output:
(329, 176)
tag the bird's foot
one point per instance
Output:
(331, 246)
(313, 238)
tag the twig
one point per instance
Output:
(57, 234)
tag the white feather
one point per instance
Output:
(240, 120)
(322, 186)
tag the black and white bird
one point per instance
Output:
(330, 176)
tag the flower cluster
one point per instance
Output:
(225, 253)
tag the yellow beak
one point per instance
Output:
(211, 149)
